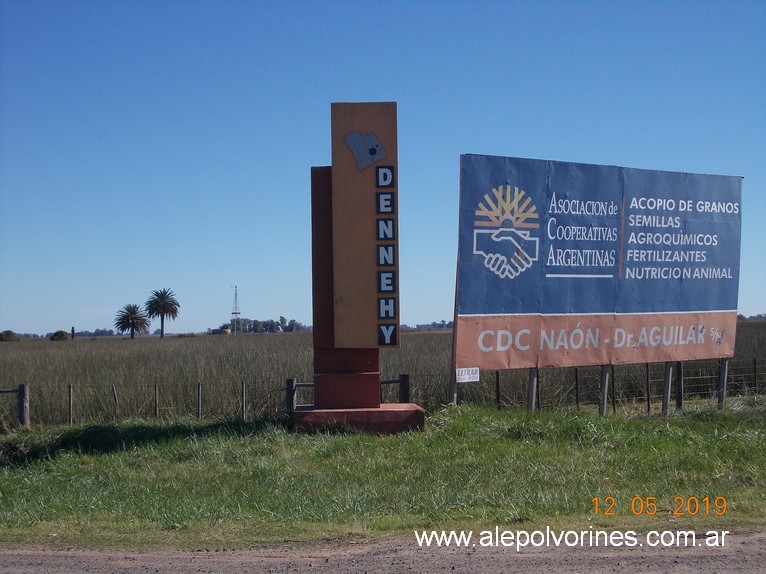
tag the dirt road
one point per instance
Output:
(744, 552)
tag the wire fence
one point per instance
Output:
(633, 389)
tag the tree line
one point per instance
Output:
(282, 325)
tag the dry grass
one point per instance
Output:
(100, 369)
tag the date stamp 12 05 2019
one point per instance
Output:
(648, 505)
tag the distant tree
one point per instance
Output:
(162, 303)
(131, 318)
(295, 326)
(59, 336)
(8, 336)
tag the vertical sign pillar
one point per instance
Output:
(365, 246)
(355, 256)
(355, 261)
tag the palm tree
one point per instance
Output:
(131, 318)
(162, 304)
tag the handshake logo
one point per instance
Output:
(507, 252)
(503, 234)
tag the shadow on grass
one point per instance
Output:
(19, 449)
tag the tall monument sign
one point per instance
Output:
(355, 260)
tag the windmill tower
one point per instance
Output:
(235, 313)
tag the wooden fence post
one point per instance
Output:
(156, 400)
(648, 391)
(680, 386)
(604, 390)
(290, 397)
(614, 391)
(404, 388)
(539, 393)
(723, 374)
(23, 400)
(532, 389)
(244, 400)
(116, 402)
(70, 390)
(577, 387)
(755, 374)
(666, 387)
(199, 400)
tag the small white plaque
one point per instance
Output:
(467, 375)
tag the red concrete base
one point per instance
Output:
(347, 390)
(389, 418)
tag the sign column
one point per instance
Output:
(365, 226)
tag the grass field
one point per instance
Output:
(114, 378)
(121, 477)
(227, 483)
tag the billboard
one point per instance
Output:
(565, 264)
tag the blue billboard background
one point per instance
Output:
(548, 237)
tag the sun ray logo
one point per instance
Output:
(502, 231)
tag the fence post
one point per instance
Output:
(680, 386)
(532, 389)
(723, 374)
(244, 401)
(614, 392)
(666, 387)
(116, 402)
(71, 403)
(156, 400)
(453, 387)
(539, 391)
(199, 400)
(755, 374)
(404, 388)
(604, 390)
(290, 397)
(23, 399)
(577, 387)
(648, 391)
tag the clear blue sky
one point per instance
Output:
(168, 144)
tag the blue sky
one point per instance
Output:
(169, 144)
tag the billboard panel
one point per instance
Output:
(563, 264)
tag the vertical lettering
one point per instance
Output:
(387, 334)
(386, 308)
(385, 176)
(384, 202)
(386, 255)
(386, 229)
(386, 281)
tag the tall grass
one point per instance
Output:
(101, 369)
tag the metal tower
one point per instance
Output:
(235, 313)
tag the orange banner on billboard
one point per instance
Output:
(527, 341)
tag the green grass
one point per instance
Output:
(227, 483)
